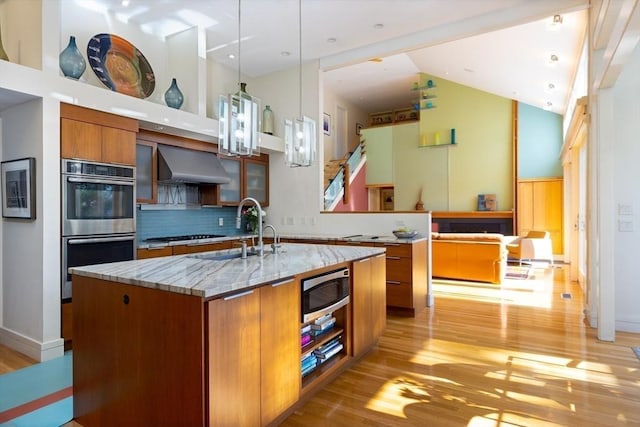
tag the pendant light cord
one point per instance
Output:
(300, 54)
(239, 35)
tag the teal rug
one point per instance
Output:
(39, 395)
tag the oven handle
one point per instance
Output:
(100, 181)
(99, 240)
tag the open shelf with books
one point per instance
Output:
(324, 345)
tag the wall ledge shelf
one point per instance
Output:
(448, 144)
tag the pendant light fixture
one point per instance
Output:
(239, 118)
(300, 133)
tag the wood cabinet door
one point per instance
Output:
(378, 295)
(80, 140)
(280, 348)
(234, 360)
(361, 300)
(136, 350)
(118, 146)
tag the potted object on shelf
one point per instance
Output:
(173, 96)
(72, 63)
(267, 120)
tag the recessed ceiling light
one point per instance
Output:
(125, 3)
(231, 56)
(331, 40)
(378, 26)
(285, 53)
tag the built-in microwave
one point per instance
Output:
(324, 293)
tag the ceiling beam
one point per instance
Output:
(624, 37)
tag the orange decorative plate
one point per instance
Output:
(120, 66)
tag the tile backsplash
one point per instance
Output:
(161, 223)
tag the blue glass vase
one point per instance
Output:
(72, 63)
(173, 96)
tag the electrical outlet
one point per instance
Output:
(220, 222)
(290, 220)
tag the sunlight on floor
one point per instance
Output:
(536, 291)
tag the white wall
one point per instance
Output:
(30, 248)
(355, 115)
(626, 177)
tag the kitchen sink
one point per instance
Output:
(220, 257)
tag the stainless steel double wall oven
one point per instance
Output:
(98, 215)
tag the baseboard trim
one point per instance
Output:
(40, 351)
(628, 326)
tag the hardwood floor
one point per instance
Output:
(487, 355)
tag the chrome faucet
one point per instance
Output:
(259, 246)
(276, 239)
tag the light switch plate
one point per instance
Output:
(220, 222)
(625, 209)
(625, 226)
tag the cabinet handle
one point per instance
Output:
(393, 282)
(379, 256)
(393, 257)
(156, 248)
(363, 260)
(391, 244)
(284, 282)
(234, 296)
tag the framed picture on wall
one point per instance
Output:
(358, 128)
(326, 124)
(18, 183)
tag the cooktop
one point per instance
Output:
(186, 237)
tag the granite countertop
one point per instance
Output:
(193, 274)
(369, 238)
(365, 238)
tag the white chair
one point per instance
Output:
(535, 246)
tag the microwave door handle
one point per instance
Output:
(99, 240)
(99, 181)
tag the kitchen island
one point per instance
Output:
(209, 339)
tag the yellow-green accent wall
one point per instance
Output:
(480, 162)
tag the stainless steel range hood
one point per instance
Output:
(180, 165)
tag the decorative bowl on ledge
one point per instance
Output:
(405, 234)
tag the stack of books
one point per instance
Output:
(305, 335)
(323, 324)
(308, 363)
(328, 350)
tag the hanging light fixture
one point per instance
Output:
(300, 133)
(239, 120)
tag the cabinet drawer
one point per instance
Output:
(398, 269)
(202, 247)
(397, 249)
(154, 252)
(399, 294)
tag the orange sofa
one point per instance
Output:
(480, 257)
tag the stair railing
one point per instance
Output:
(339, 186)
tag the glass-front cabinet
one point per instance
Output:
(249, 178)
(231, 193)
(256, 180)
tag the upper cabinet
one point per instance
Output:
(249, 178)
(97, 136)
